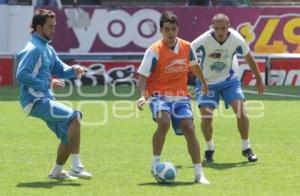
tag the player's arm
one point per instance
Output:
(141, 87)
(26, 73)
(62, 70)
(197, 71)
(148, 63)
(260, 87)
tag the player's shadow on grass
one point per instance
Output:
(223, 166)
(176, 183)
(47, 184)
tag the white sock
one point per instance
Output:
(155, 160)
(57, 168)
(245, 144)
(76, 162)
(198, 169)
(210, 145)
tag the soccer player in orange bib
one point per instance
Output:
(163, 81)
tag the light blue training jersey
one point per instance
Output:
(37, 63)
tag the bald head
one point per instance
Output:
(220, 18)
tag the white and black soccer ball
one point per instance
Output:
(165, 172)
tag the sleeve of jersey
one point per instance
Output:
(148, 63)
(26, 68)
(243, 45)
(62, 70)
(193, 57)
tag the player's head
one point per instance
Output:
(220, 24)
(43, 22)
(169, 26)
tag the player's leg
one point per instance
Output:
(207, 104)
(188, 129)
(158, 139)
(77, 168)
(207, 130)
(63, 153)
(62, 120)
(238, 107)
(161, 115)
(234, 96)
(182, 119)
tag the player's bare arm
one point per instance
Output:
(199, 74)
(141, 86)
(260, 87)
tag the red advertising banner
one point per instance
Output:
(285, 72)
(6, 70)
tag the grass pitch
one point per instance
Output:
(116, 149)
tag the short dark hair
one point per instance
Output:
(168, 16)
(40, 18)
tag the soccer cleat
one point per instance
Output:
(209, 155)
(80, 172)
(249, 154)
(201, 179)
(61, 176)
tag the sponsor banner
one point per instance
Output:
(133, 29)
(107, 72)
(6, 70)
(285, 72)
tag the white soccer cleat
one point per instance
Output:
(61, 176)
(80, 172)
(201, 179)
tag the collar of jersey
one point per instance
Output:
(40, 38)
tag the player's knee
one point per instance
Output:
(75, 122)
(163, 125)
(242, 115)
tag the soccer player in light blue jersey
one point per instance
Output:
(37, 63)
(218, 47)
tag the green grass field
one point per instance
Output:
(116, 148)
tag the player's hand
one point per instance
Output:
(204, 89)
(141, 102)
(80, 70)
(56, 83)
(260, 87)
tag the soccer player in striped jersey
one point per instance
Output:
(163, 81)
(218, 47)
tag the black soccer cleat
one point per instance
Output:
(249, 154)
(209, 155)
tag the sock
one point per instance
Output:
(76, 162)
(57, 168)
(155, 160)
(210, 145)
(245, 144)
(198, 169)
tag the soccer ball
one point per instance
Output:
(165, 172)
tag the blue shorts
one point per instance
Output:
(178, 109)
(56, 115)
(229, 93)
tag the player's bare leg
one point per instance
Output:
(239, 109)
(188, 128)
(77, 168)
(63, 153)
(207, 130)
(163, 124)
